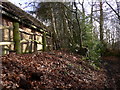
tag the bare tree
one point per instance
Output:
(116, 12)
(101, 22)
(78, 23)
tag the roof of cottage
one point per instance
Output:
(18, 14)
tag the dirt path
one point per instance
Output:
(112, 65)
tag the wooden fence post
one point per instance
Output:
(16, 37)
(1, 36)
(30, 47)
(44, 41)
(35, 44)
(21, 36)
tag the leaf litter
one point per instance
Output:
(56, 69)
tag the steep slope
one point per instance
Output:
(51, 70)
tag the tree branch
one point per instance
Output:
(113, 10)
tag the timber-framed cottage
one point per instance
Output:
(19, 31)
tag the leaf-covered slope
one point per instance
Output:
(50, 70)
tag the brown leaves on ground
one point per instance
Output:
(50, 70)
(113, 70)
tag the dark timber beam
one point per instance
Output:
(44, 41)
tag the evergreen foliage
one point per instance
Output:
(72, 29)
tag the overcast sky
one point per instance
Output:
(21, 3)
(18, 2)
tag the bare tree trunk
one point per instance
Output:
(54, 34)
(118, 10)
(83, 15)
(117, 13)
(65, 28)
(80, 31)
(91, 20)
(101, 22)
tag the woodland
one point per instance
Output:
(84, 52)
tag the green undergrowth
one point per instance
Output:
(96, 64)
